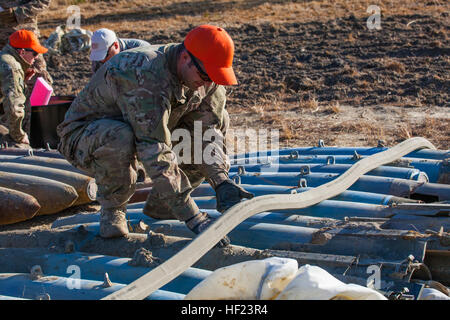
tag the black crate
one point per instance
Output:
(45, 119)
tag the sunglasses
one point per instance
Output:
(35, 54)
(107, 53)
(202, 74)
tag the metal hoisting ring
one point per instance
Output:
(305, 170)
(331, 160)
(177, 264)
(293, 155)
(302, 183)
(237, 179)
(321, 144)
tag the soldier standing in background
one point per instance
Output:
(16, 59)
(22, 14)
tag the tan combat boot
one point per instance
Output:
(113, 223)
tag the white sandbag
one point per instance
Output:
(250, 280)
(432, 294)
(314, 283)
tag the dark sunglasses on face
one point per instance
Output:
(107, 53)
(202, 74)
(35, 54)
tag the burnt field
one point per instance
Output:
(331, 79)
(313, 70)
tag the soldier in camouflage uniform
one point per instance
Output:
(128, 111)
(105, 44)
(22, 14)
(15, 61)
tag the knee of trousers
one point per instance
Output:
(193, 173)
(106, 150)
(115, 166)
(114, 153)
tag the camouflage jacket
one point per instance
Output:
(25, 16)
(125, 44)
(13, 91)
(140, 87)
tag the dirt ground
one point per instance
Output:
(311, 69)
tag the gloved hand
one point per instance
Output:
(228, 194)
(200, 222)
(7, 17)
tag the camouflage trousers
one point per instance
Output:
(106, 150)
(40, 67)
(4, 123)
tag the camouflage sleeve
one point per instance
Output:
(212, 118)
(95, 65)
(28, 11)
(145, 106)
(14, 99)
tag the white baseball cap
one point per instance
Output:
(101, 40)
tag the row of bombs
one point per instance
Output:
(34, 183)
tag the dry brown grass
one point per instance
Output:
(351, 71)
(311, 104)
(437, 44)
(437, 130)
(364, 84)
(273, 112)
(351, 38)
(335, 107)
(370, 131)
(258, 108)
(287, 132)
(273, 119)
(170, 14)
(404, 131)
(393, 65)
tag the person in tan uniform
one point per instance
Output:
(16, 59)
(128, 112)
(22, 14)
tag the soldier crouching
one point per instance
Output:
(128, 111)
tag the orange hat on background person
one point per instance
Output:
(27, 40)
(214, 47)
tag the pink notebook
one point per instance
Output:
(41, 93)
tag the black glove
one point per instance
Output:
(228, 194)
(200, 222)
(7, 17)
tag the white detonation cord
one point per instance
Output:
(158, 277)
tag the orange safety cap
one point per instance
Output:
(27, 40)
(214, 47)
